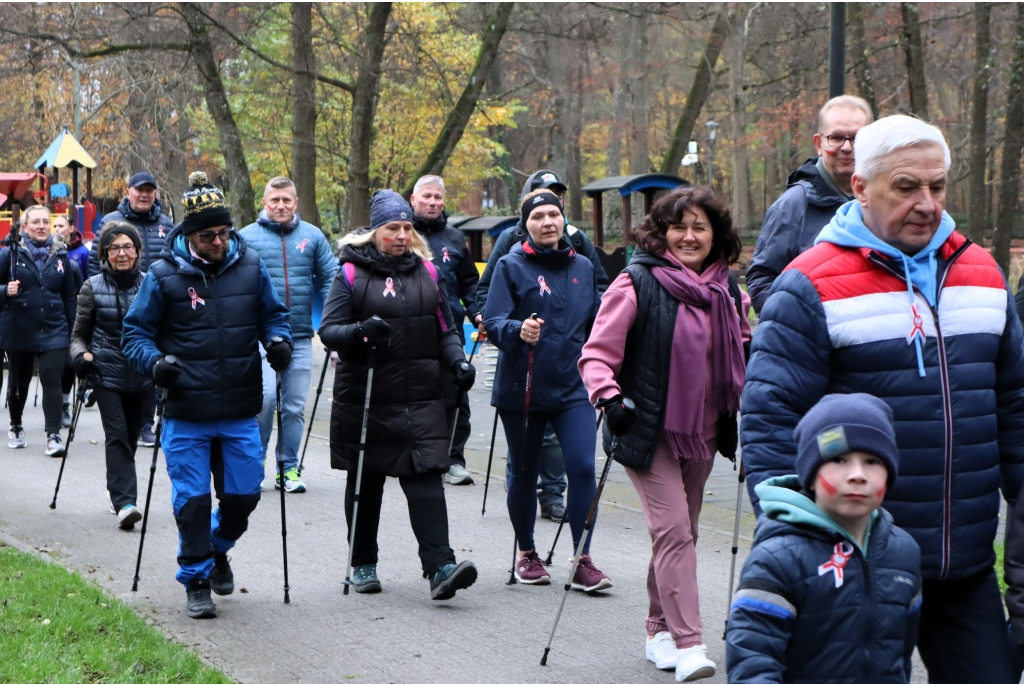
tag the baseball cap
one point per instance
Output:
(140, 179)
(546, 179)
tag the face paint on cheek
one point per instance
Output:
(881, 493)
(826, 486)
(830, 152)
(388, 240)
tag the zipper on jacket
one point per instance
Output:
(869, 623)
(284, 256)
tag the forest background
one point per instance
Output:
(347, 98)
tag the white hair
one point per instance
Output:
(875, 142)
(428, 181)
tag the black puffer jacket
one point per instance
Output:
(40, 317)
(407, 432)
(452, 258)
(102, 304)
(153, 227)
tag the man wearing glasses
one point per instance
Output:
(195, 328)
(815, 191)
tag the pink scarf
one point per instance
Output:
(684, 409)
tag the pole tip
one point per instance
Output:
(53, 505)
(544, 659)
(345, 591)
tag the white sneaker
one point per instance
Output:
(128, 517)
(661, 650)
(54, 446)
(16, 438)
(694, 664)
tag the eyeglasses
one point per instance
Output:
(208, 236)
(126, 249)
(839, 141)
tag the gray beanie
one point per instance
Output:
(387, 206)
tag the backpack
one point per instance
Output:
(349, 269)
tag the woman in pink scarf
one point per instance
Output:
(670, 336)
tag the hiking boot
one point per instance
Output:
(200, 604)
(292, 483)
(662, 652)
(16, 438)
(128, 517)
(588, 578)
(530, 570)
(222, 579)
(54, 446)
(450, 578)
(65, 417)
(146, 436)
(458, 475)
(364, 579)
(694, 664)
(89, 397)
(554, 511)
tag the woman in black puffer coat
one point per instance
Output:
(119, 390)
(385, 309)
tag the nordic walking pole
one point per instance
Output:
(515, 558)
(359, 471)
(490, 458)
(79, 401)
(316, 400)
(735, 535)
(527, 389)
(458, 402)
(170, 359)
(587, 528)
(551, 552)
(11, 242)
(280, 476)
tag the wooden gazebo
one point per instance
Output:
(648, 184)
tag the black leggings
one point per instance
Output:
(428, 514)
(67, 377)
(121, 414)
(51, 365)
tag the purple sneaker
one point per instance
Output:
(530, 570)
(588, 578)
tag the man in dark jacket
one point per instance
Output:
(456, 265)
(552, 469)
(893, 302)
(142, 209)
(814, 192)
(194, 327)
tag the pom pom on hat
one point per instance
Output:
(204, 205)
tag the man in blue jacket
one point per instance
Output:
(193, 328)
(453, 261)
(300, 262)
(814, 192)
(893, 302)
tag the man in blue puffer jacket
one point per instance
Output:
(300, 262)
(893, 302)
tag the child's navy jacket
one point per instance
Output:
(812, 606)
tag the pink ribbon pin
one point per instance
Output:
(389, 287)
(301, 247)
(444, 255)
(543, 286)
(918, 329)
(195, 298)
(842, 553)
(60, 266)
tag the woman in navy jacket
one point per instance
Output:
(545, 276)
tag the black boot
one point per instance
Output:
(222, 580)
(200, 604)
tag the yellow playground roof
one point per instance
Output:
(66, 151)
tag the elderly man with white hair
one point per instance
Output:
(894, 302)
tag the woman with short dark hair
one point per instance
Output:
(670, 335)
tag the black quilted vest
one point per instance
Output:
(110, 304)
(644, 375)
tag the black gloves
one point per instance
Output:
(279, 353)
(619, 413)
(83, 366)
(465, 374)
(375, 331)
(166, 371)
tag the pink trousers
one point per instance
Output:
(671, 493)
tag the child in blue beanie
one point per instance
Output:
(831, 591)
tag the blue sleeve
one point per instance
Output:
(788, 372)
(500, 249)
(600, 275)
(140, 326)
(776, 244)
(1010, 403)
(502, 329)
(69, 294)
(273, 315)
(760, 621)
(326, 266)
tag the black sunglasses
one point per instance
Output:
(208, 236)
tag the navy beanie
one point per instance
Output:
(387, 206)
(838, 424)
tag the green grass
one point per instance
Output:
(55, 626)
(999, 567)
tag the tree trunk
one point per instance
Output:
(639, 149)
(976, 205)
(697, 95)
(1013, 142)
(558, 138)
(243, 200)
(304, 111)
(364, 106)
(740, 177)
(458, 118)
(859, 50)
(914, 50)
(574, 168)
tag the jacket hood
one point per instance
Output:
(153, 215)
(818, 190)
(782, 500)
(559, 255)
(265, 221)
(426, 226)
(369, 257)
(76, 240)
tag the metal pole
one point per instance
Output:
(837, 51)
(280, 476)
(316, 400)
(152, 471)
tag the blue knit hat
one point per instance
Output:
(387, 206)
(838, 424)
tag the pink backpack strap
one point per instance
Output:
(350, 274)
(433, 274)
(431, 268)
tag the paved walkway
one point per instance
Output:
(489, 633)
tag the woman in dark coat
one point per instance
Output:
(119, 390)
(385, 309)
(37, 282)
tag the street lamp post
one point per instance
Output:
(712, 128)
